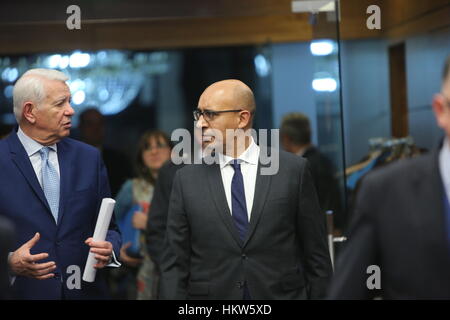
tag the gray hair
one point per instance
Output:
(30, 87)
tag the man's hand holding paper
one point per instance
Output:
(103, 252)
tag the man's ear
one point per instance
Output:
(28, 112)
(285, 142)
(244, 119)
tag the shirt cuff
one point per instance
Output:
(114, 263)
(12, 278)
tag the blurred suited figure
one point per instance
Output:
(401, 225)
(92, 131)
(5, 129)
(295, 133)
(157, 221)
(6, 245)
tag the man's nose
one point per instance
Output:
(201, 123)
(70, 111)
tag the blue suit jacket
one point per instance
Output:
(84, 184)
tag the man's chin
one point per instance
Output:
(208, 148)
(64, 133)
(211, 148)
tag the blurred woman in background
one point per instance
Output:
(138, 278)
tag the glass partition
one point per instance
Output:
(328, 161)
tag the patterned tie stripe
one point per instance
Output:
(50, 182)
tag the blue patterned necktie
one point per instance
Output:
(50, 182)
(238, 204)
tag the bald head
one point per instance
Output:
(226, 106)
(230, 93)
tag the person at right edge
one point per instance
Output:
(235, 232)
(399, 239)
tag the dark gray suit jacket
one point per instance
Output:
(285, 254)
(157, 245)
(157, 219)
(399, 225)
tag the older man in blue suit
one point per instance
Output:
(51, 188)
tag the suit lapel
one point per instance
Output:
(431, 214)
(22, 161)
(262, 188)
(65, 169)
(218, 194)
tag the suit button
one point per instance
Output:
(240, 284)
(244, 256)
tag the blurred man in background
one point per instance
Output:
(399, 239)
(295, 133)
(92, 131)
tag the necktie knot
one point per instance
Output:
(44, 153)
(236, 164)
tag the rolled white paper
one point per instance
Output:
(101, 228)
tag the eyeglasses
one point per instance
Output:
(209, 114)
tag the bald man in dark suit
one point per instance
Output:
(235, 232)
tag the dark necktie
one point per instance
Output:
(447, 213)
(239, 209)
(238, 204)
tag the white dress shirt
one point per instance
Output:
(32, 148)
(249, 169)
(444, 166)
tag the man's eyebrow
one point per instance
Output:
(60, 99)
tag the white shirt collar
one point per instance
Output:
(31, 146)
(444, 165)
(250, 155)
